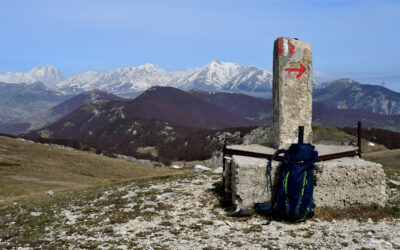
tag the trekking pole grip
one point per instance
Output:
(301, 134)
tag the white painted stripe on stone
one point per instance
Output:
(285, 47)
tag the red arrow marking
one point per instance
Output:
(280, 41)
(291, 48)
(301, 70)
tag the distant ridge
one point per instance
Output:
(66, 107)
(180, 108)
(21, 103)
(259, 109)
(117, 119)
(163, 119)
(349, 94)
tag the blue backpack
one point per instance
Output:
(294, 194)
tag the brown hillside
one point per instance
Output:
(182, 109)
(28, 168)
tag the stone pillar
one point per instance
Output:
(292, 91)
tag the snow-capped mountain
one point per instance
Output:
(131, 81)
(215, 76)
(220, 76)
(119, 81)
(45, 74)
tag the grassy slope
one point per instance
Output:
(390, 160)
(28, 169)
(334, 136)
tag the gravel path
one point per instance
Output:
(186, 214)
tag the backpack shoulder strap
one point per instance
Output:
(269, 167)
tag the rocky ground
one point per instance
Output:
(179, 213)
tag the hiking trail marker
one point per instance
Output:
(355, 181)
(292, 91)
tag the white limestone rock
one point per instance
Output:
(218, 170)
(201, 168)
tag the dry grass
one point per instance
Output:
(28, 169)
(148, 150)
(334, 136)
(331, 135)
(360, 213)
(390, 160)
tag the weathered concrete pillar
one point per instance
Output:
(292, 91)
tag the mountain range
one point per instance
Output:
(114, 118)
(132, 81)
(45, 74)
(260, 110)
(174, 124)
(27, 107)
(31, 105)
(349, 94)
(162, 118)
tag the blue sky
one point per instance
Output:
(349, 38)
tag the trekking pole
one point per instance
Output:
(301, 134)
(223, 166)
(359, 139)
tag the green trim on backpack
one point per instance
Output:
(304, 216)
(285, 181)
(304, 184)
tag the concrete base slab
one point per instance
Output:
(338, 183)
(349, 181)
(321, 148)
(249, 182)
